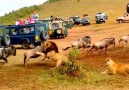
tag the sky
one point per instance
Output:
(7, 6)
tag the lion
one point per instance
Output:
(48, 46)
(116, 68)
(56, 57)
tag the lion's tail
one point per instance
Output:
(66, 48)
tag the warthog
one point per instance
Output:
(102, 44)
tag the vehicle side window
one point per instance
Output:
(40, 28)
(13, 31)
(27, 30)
(7, 31)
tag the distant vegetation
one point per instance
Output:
(66, 8)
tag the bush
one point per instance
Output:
(71, 67)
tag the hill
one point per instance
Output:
(66, 8)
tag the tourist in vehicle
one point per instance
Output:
(32, 20)
(17, 22)
(35, 15)
(27, 21)
(21, 22)
(14, 32)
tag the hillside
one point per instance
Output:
(66, 8)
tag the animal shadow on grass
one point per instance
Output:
(2, 63)
(43, 65)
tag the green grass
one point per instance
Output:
(38, 78)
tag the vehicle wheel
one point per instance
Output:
(97, 22)
(25, 45)
(44, 35)
(120, 21)
(103, 21)
(6, 40)
(63, 36)
(84, 24)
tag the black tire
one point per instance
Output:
(44, 36)
(25, 44)
(97, 22)
(120, 21)
(6, 40)
(84, 24)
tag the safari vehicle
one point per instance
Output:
(124, 18)
(100, 17)
(68, 23)
(76, 19)
(57, 29)
(85, 21)
(26, 35)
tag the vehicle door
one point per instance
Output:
(14, 35)
(27, 33)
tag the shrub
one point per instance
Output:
(71, 67)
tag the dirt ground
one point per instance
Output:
(93, 62)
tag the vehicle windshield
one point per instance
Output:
(85, 18)
(55, 26)
(99, 17)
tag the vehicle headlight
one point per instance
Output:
(50, 32)
(59, 31)
(36, 37)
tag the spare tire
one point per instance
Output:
(6, 40)
(127, 8)
(44, 35)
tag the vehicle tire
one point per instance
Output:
(63, 36)
(120, 21)
(6, 40)
(97, 22)
(25, 44)
(84, 24)
(103, 21)
(44, 35)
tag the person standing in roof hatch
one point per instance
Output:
(35, 16)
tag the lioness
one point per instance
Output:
(56, 57)
(116, 68)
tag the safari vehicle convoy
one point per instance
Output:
(26, 35)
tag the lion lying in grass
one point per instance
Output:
(56, 57)
(116, 68)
